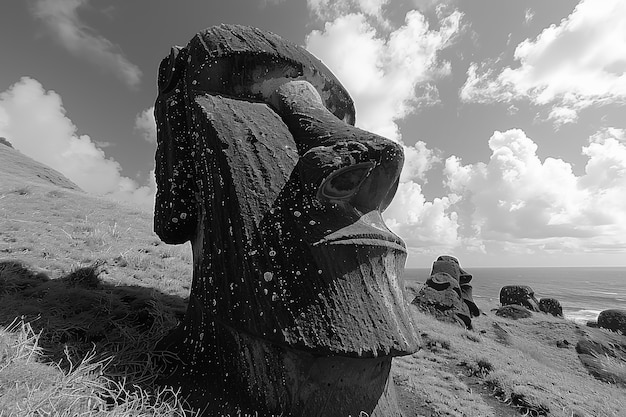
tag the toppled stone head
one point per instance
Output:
(447, 293)
(551, 306)
(522, 295)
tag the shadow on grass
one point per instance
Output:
(78, 315)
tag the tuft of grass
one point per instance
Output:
(479, 367)
(612, 366)
(85, 388)
(86, 277)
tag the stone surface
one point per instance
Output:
(613, 319)
(514, 312)
(296, 305)
(521, 295)
(563, 344)
(604, 355)
(447, 294)
(551, 306)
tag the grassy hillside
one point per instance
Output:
(86, 289)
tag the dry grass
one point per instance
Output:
(93, 289)
(31, 388)
(525, 371)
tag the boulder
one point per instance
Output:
(521, 295)
(513, 311)
(563, 344)
(614, 319)
(551, 306)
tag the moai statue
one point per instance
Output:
(447, 293)
(296, 306)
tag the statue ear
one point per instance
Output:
(171, 69)
(175, 213)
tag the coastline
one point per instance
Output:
(582, 291)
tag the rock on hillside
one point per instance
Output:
(21, 170)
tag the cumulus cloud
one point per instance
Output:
(391, 73)
(571, 66)
(382, 72)
(61, 17)
(146, 124)
(332, 9)
(517, 198)
(423, 223)
(35, 121)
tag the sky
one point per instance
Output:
(511, 113)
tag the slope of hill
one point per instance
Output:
(86, 290)
(20, 170)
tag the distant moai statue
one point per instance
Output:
(447, 293)
(4, 141)
(296, 306)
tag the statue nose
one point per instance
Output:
(367, 185)
(359, 167)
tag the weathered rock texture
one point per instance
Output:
(551, 306)
(295, 306)
(447, 293)
(521, 295)
(614, 319)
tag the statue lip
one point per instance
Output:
(391, 241)
(369, 230)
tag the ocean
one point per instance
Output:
(582, 291)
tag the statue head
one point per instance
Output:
(260, 167)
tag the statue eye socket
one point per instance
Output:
(345, 182)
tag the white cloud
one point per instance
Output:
(519, 199)
(422, 223)
(332, 9)
(529, 15)
(146, 124)
(380, 71)
(62, 19)
(35, 122)
(418, 160)
(562, 115)
(434, 5)
(571, 66)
